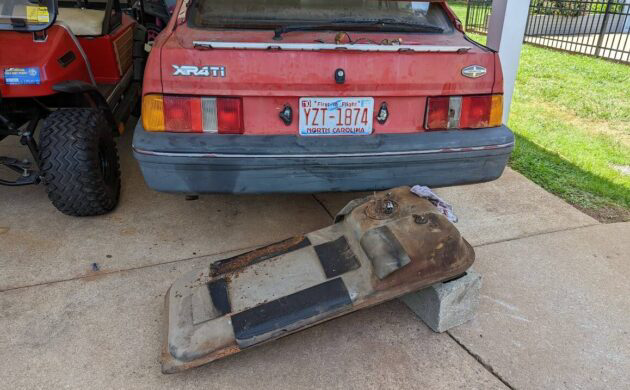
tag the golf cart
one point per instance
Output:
(70, 75)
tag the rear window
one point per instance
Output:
(265, 14)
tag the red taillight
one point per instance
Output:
(437, 113)
(464, 112)
(475, 112)
(230, 115)
(188, 114)
(182, 114)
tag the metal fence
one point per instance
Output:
(599, 28)
(477, 16)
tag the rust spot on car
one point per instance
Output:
(3, 229)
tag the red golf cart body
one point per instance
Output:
(105, 58)
(214, 99)
(70, 74)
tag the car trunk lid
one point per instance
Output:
(269, 75)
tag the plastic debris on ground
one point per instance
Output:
(442, 206)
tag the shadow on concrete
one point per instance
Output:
(594, 195)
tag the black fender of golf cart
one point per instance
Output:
(91, 96)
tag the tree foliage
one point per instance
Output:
(574, 7)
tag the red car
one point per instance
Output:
(252, 96)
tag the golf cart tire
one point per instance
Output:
(79, 162)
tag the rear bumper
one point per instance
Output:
(196, 163)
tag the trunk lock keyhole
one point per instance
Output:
(340, 76)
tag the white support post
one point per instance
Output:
(626, 14)
(506, 30)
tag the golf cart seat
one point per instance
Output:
(82, 21)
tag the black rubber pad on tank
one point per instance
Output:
(336, 257)
(257, 255)
(219, 295)
(288, 313)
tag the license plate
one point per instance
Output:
(336, 116)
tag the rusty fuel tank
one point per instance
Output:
(379, 248)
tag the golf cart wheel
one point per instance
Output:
(79, 162)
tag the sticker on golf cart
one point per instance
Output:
(37, 14)
(336, 116)
(22, 76)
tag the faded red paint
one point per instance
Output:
(269, 79)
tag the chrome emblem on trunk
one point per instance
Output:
(474, 71)
(206, 71)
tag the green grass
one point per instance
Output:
(574, 113)
(459, 9)
(571, 117)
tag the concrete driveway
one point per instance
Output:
(81, 299)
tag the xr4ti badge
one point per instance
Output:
(205, 71)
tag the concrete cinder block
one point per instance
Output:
(443, 306)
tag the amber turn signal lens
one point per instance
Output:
(496, 111)
(153, 113)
